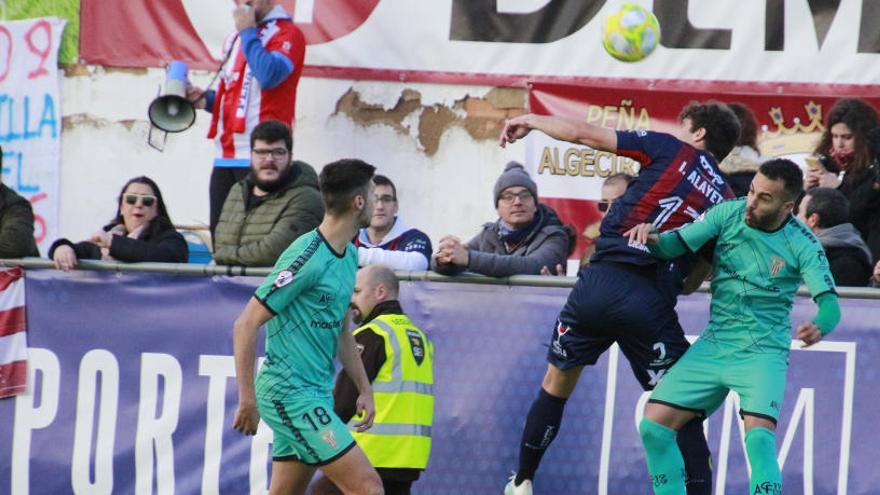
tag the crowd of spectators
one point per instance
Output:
(848, 163)
(279, 199)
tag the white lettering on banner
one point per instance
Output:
(95, 362)
(154, 428)
(161, 382)
(29, 416)
(804, 409)
(260, 447)
(608, 425)
(218, 369)
(730, 407)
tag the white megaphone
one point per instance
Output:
(171, 111)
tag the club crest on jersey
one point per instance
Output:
(776, 264)
(330, 438)
(284, 277)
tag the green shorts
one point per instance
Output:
(305, 430)
(701, 379)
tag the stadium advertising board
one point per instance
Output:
(511, 41)
(142, 400)
(30, 118)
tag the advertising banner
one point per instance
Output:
(30, 118)
(501, 42)
(141, 399)
(570, 177)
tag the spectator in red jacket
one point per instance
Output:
(264, 61)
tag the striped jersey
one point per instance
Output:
(241, 101)
(308, 292)
(675, 185)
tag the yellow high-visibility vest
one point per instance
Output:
(404, 394)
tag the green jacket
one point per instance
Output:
(256, 237)
(16, 226)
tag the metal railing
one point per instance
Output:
(244, 271)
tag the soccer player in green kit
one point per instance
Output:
(762, 252)
(305, 300)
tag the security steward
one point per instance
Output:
(399, 360)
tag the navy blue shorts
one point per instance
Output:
(633, 306)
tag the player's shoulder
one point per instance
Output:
(728, 208)
(646, 135)
(305, 248)
(800, 233)
(351, 252)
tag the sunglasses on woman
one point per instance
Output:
(146, 199)
(604, 204)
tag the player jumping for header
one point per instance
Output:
(626, 295)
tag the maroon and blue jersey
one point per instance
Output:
(675, 185)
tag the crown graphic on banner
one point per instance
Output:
(796, 137)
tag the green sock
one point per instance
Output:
(761, 449)
(665, 463)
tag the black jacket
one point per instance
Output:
(16, 225)
(849, 266)
(159, 242)
(864, 208)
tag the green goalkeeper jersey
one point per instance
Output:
(309, 292)
(756, 275)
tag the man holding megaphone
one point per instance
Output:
(258, 79)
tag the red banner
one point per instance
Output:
(150, 33)
(140, 33)
(569, 176)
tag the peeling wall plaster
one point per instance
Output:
(482, 117)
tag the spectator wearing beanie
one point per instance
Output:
(526, 237)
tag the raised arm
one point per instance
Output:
(564, 129)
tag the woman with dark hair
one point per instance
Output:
(847, 165)
(846, 159)
(140, 231)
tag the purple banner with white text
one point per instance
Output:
(132, 390)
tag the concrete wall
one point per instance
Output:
(437, 142)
